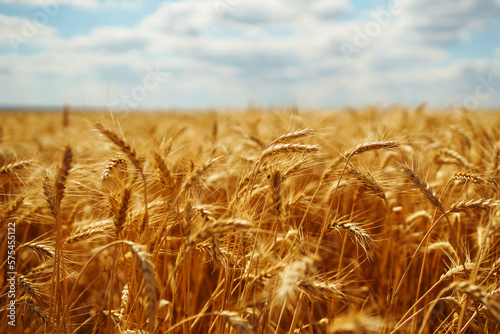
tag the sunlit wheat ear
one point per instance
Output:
(54, 192)
(479, 204)
(87, 232)
(370, 146)
(44, 267)
(356, 231)
(443, 246)
(118, 164)
(287, 148)
(124, 303)
(49, 192)
(423, 187)
(457, 269)
(39, 312)
(288, 137)
(205, 214)
(164, 174)
(361, 148)
(322, 289)
(39, 248)
(448, 156)
(215, 251)
(29, 287)
(469, 178)
(120, 207)
(276, 182)
(241, 325)
(368, 183)
(8, 168)
(62, 175)
(122, 144)
(480, 295)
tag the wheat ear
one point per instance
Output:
(287, 137)
(480, 204)
(14, 165)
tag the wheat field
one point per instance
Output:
(255, 221)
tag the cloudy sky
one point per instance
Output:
(135, 54)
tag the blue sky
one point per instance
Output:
(135, 54)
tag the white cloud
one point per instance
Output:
(449, 20)
(274, 52)
(24, 32)
(85, 4)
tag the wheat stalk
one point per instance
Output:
(480, 204)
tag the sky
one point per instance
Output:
(136, 55)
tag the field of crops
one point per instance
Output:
(255, 221)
